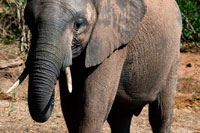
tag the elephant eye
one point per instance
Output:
(80, 25)
(79, 22)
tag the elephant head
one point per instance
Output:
(62, 30)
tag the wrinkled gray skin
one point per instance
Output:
(122, 54)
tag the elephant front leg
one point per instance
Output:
(100, 91)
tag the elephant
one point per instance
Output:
(120, 56)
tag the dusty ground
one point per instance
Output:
(14, 115)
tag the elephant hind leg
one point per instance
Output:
(161, 110)
(119, 121)
(160, 116)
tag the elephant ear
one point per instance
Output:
(117, 23)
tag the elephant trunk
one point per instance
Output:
(49, 53)
(43, 75)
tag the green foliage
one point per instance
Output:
(12, 103)
(190, 10)
(12, 24)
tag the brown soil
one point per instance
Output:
(14, 115)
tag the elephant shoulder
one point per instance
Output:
(164, 15)
(162, 20)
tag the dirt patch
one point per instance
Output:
(188, 90)
(15, 117)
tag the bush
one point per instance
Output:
(190, 10)
(12, 24)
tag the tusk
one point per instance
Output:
(69, 79)
(19, 81)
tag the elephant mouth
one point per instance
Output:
(25, 73)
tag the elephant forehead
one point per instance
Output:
(77, 5)
(73, 5)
